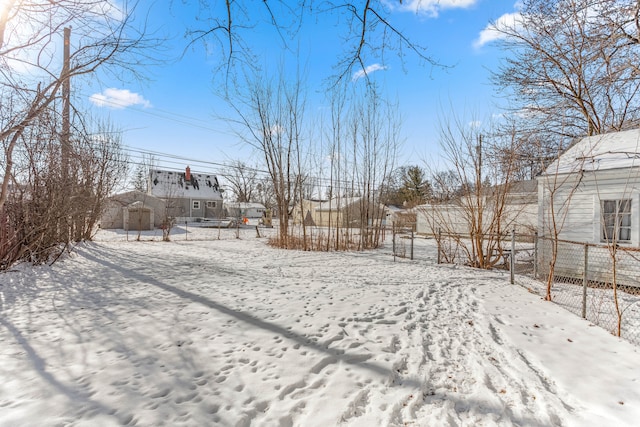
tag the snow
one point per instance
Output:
(231, 332)
(613, 150)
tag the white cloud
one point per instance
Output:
(491, 32)
(370, 69)
(433, 7)
(118, 99)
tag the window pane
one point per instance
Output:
(607, 233)
(609, 221)
(608, 207)
(625, 220)
(625, 206)
(625, 234)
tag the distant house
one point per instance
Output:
(189, 196)
(244, 209)
(400, 217)
(338, 212)
(133, 210)
(519, 212)
(595, 188)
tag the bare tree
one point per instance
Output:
(265, 193)
(270, 118)
(470, 201)
(33, 77)
(593, 174)
(243, 181)
(365, 27)
(374, 130)
(571, 68)
(361, 138)
(41, 200)
(99, 165)
(557, 193)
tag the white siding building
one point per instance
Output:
(592, 195)
(244, 209)
(592, 192)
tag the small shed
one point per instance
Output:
(133, 210)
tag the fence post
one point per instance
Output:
(535, 255)
(186, 230)
(584, 281)
(439, 240)
(393, 239)
(411, 243)
(512, 263)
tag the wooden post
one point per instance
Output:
(512, 260)
(393, 231)
(439, 240)
(411, 243)
(394, 242)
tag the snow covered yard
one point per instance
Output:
(234, 333)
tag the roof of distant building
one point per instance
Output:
(172, 184)
(337, 203)
(615, 150)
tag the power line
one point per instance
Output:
(189, 121)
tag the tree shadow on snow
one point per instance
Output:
(338, 355)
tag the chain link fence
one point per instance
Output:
(600, 283)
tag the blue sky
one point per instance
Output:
(176, 111)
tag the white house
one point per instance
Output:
(189, 196)
(591, 195)
(519, 211)
(245, 209)
(592, 191)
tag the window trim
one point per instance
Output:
(195, 205)
(212, 204)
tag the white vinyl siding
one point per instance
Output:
(578, 206)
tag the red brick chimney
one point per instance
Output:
(187, 175)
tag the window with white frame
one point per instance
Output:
(616, 220)
(196, 204)
(211, 204)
